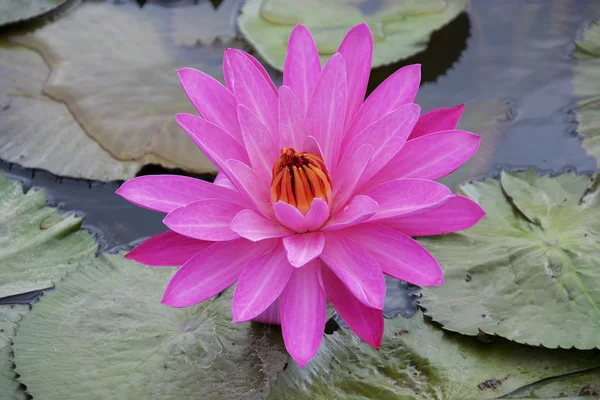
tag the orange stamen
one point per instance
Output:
(298, 178)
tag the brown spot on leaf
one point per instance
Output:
(414, 368)
(590, 390)
(491, 384)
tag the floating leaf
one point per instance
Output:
(420, 361)
(12, 11)
(587, 88)
(589, 47)
(104, 333)
(108, 318)
(400, 29)
(529, 271)
(119, 84)
(9, 316)
(37, 245)
(38, 132)
(585, 384)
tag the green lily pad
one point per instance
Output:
(579, 385)
(108, 319)
(37, 245)
(12, 11)
(400, 28)
(420, 361)
(586, 85)
(589, 47)
(9, 316)
(104, 334)
(529, 271)
(119, 86)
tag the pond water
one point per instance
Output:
(510, 62)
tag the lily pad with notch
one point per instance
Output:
(104, 105)
(418, 360)
(400, 29)
(119, 338)
(37, 244)
(10, 315)
(529, 271)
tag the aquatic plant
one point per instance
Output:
(103, 332)
(318, 192)
(400, 28)
(536, 251)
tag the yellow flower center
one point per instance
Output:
(298, 178)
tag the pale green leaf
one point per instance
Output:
(104, 334)
(105, 104)
(38, 132)
(9, 316)
(589, 46)
(533, 203)
(400, 29)
(529, 271)
(12, 11)
(420, 361)
(37, 245)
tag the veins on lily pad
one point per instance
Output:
(530, 270)
(104, 105)
(37, 245)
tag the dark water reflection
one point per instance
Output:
(443, 51)
(515, 52)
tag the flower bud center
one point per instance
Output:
(298, 178)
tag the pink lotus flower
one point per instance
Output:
(318, 191)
